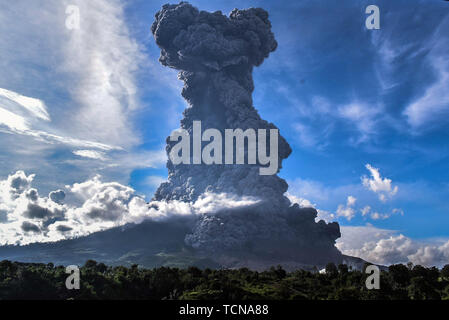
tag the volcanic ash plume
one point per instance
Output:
(215, 55)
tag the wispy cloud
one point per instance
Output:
(433, 106)
(91, 154)
(71, 95)
(381, 186)
(417, 61)
(35, 106)
(347, 211)
(320, 120)
(364, 117)
(15, 121)
(104, 60)
(430, 109)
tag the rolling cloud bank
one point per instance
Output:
(93, 205)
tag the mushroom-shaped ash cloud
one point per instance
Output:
(215, 55)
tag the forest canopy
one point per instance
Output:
(98, 281)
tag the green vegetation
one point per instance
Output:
(98, 281)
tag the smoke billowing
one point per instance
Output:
(215, 55)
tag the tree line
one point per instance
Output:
(99, 281)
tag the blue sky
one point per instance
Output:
(343, 97)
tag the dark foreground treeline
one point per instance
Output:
(98, 281)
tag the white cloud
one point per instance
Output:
(12, 121)
(429, 104)
(329, 199)
(325, 215)
(87, 76)
(27, 217)
(431, 108)
(429, 255)
(91, 154)
(365, 210)
(379, 216)
(388, 247)
(15, 121)
(351, 201)
(382, 216)
(319, 119)
(363, 116)
(347, 211)
(34, 106)
(304, 203)
(433, 105)
(104, 58)
(382, 187)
